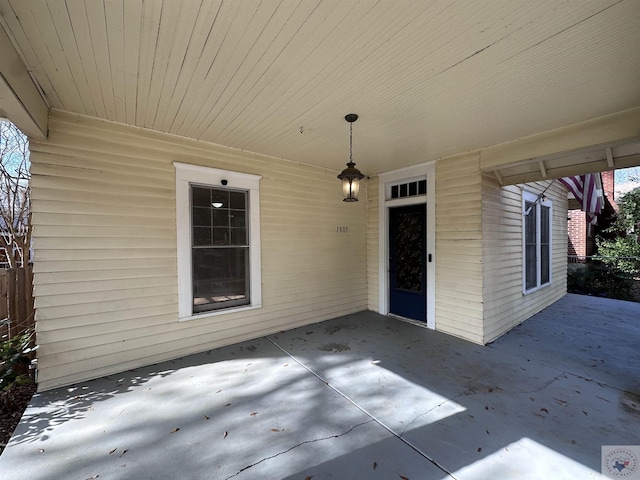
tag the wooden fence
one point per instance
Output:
(16, 301)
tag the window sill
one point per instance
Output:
(217, 313)
(533, 290)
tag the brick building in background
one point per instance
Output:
(580, 232)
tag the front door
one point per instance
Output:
(407, 262)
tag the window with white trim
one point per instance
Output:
(536, 241)
(218, 241)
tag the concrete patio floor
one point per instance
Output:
(358, 397)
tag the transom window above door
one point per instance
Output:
(407, 189)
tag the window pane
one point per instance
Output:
(530, 274)
(220, 278)
(201, 217)
(394, 191)
(413, 189)
(219, 198)
(403, 190)
(530, 223)
(422, 187)
(221, 236)
(545, 264)
(201, 236)
(544, 224)
(545, 247)
(531, 280)
(200, 197)
(237, 200)
(221, 217)
(238, 236)
(237, 218)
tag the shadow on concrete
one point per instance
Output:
(362, 396)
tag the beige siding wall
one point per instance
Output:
(373, 241)
(505, 306)
(105, 240)
(459, 307)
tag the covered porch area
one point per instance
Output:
(360, 396)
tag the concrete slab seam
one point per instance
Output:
(369, 414)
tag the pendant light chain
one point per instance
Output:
(351, 142)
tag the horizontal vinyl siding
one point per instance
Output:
(373, 267)
(105, 275)
(459, 247)
(505, 304)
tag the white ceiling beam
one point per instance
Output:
(498, 176)
(543, 170)
(605, 130)
(20, 99)
(609, 157)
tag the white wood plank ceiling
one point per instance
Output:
(428, 78)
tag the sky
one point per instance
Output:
(626, 179)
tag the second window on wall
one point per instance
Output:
(536, 242)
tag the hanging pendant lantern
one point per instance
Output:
(350, 176)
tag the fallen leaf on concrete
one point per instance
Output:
(561, 402)
(206, 418)
(253, 414)
(375, 465)
(403, 478)
(276, 430)
(225, 434)
(544, 410)
(41, 450)
(123, 452)
(94, 477)
(218, 391)
(309, 477)
(487, 432)
(113, 451)
(174, 430)
(227, 404)
(584, 412)
(479, 449)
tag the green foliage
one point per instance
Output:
(15, 360)
(623, 251)
(599, 280)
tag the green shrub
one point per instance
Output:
(15, 360)
(622, 253)
(599, 280)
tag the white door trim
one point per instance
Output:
(385, 179)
